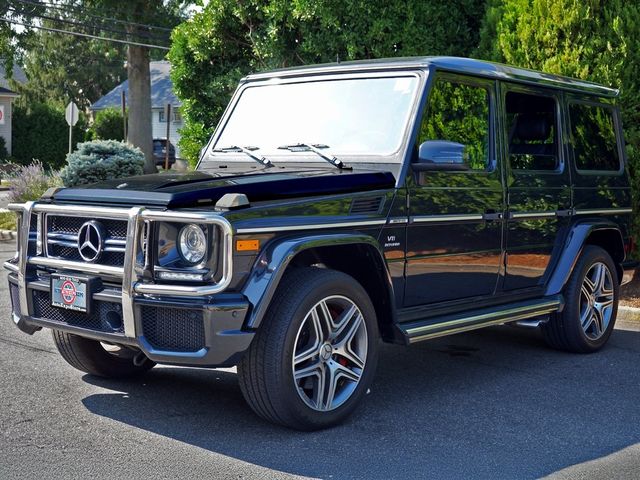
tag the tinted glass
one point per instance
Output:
(459, 113)
(531, 129)
(593, 137)
(365, 116)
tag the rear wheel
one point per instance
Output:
(591, 297)
(315, 353)
(100, 359)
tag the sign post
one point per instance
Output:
(71, 116)
(167, 117)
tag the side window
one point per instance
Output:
(458, 115)
(532, 132)
(593, 137)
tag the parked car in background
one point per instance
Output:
(336, 207)
(159, 152)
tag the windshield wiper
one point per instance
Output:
(248, 151)
(308, 147)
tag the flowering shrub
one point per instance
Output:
(29, 182)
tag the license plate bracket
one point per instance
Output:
(73, 292)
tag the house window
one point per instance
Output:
(175, 113)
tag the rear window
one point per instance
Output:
(593, 138)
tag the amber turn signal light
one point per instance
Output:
(247, 245)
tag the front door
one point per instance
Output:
(538, 191)
(454, 238)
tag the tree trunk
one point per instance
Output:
(140, 128)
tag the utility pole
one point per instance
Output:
(123, 102)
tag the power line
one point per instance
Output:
(144, 35)
(68, 8)
(86, 35)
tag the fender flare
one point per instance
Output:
(573, 246)
(271, 264)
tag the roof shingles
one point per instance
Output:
(161, 90)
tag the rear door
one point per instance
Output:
(538, 183)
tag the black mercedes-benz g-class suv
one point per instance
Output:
(336, 206)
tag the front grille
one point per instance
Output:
(173, 329)
(104, 316)
(62, 239)
(15, 298)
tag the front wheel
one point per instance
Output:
(100, 359)
(315, 353)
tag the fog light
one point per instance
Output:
(181, 276)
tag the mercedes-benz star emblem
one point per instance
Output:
(90, 241)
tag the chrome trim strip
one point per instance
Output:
(77, 266)
(446, 218)
(82, 211)
(23, 252)
(532, 214)
(129, 276)
(9, 265)
(398, 220)
(360, 223)
(62, 236)
(426, 332)
(63, 243)
(596, 211)
(116, 241)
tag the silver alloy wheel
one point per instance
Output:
(596, 301)
(330, 353)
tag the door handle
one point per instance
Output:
(565, 213)
(491, 215)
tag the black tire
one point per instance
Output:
(90, 356)
(564, 330)
(265, 372)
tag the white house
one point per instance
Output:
(161, 94)
(7, 97)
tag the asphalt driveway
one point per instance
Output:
(491, 404)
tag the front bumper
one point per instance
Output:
(175, 324)
(205, 332)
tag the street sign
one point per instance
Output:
(1, 114)
(71, 114)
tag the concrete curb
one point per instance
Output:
(629, 313)
(7, 235)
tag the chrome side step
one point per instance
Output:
(461, 322)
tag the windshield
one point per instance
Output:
(364, 116)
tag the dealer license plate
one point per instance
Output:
(70, 292)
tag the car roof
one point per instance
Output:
(450, 64)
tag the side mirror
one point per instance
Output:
(441, 155)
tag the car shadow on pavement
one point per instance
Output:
(495, 403)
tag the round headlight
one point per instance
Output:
(192, 243)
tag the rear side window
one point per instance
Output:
(532, 134)
(593, 138)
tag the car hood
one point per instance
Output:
(175, 190)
